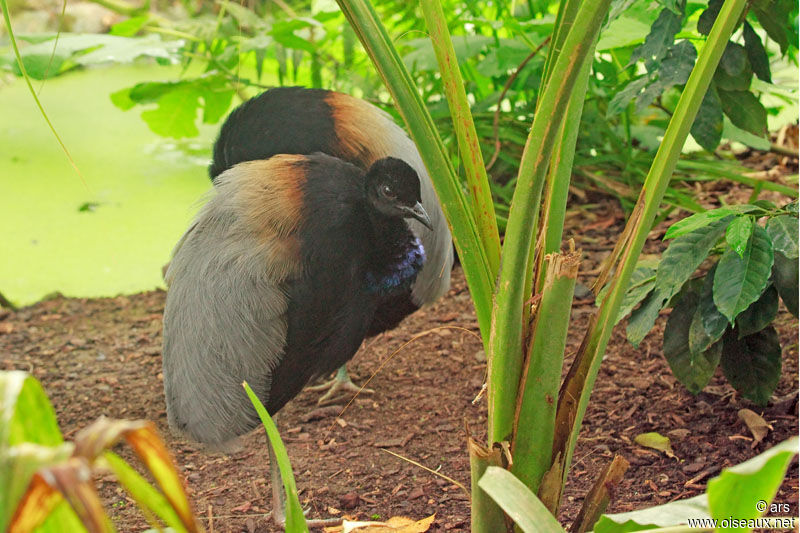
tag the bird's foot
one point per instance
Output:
(341, 385)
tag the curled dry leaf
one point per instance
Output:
(655, 441)
(756, 424)
(396, 524)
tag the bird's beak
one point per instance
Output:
(418, 212)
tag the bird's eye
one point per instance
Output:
(387, 191)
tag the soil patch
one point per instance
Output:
(103, 357)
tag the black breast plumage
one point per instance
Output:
(277, 281)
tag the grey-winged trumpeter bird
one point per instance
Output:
(294, 120)
(296, 258)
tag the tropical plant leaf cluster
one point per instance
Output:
(46, 484)
(668, 62)
(730, 494)
(724, 315)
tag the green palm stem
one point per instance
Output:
(532, 444)
(575, 391)
(486, 515)
(466, 235)
(506, 334)
(464, 126)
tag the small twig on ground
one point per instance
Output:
(434, 472)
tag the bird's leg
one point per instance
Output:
(339, 386)
(279, 497)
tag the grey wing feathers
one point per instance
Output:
(224, 323)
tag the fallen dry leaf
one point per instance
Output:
(756, 424)
(396, 524)
(656, 441)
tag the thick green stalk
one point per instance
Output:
(565, 17)
(558, 179)
(535, 418)
(464, 126)
(477, 269)
(505, 343)
(487, 517)
(577, 387)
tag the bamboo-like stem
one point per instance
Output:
(565, 18)
(477, 269)
(487, 517)
(559, 177)
(574, 394)
(505, 343)
(597, 500)
(464, 126)
(536, 412)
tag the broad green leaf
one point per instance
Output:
(658, 41)
(744, 110)
(144, 493)
(739, 281)
(753, 364)
(295, 519)
(634, 296)
(670, 514)
(126, 49)
(704, 218)
(17, 466)
(42, 66)
(175, 115)
(644, 317)
(733, 490)
(29, 438)
(623, 32)
(738, 234)
(734, 59)
(737, 489)
(122, 99)
(707, 17)
(506, 57)
(759, 315)
(642, 281)
(624, 97)
(673, 70)
(708, 124)
(773, 16)
(518, 502)
(693, 370)
(756, 53)
(26, 414)
(217, 99)
(738, 82)
(785, 277)
(737, 134)
(708, 324)
(784, 234)
(129, 27)
(685, 254)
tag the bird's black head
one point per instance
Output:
(393, 190)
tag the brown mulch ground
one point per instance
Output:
(102, 357)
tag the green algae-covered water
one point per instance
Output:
(107, 236)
